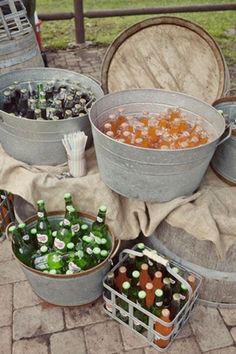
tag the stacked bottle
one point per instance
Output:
(70, 247)
(149, 284)
(52, 100)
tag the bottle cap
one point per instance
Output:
(43, 248)
(84, 227)
(122, 269)
(144, 266)
(70, 245)
(126, 285)
(103, 208)
(96, 250)
(141, 294)
(149, 286)
(175, 269)
(69, 271)
(104, 253)
(176, 297)
(41, 201)
(54, 233)
(158, 274)
(33, 231)
(12, 228)
(183, 287)
(67, 195)
(22, 225)
(165, 313)
(141, 246)
(135, 274)
(159, 292)
(103, 241)
(166, 281)
(52, 271)
(191, 279)
(110, 275)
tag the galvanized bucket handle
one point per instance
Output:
(230, 128)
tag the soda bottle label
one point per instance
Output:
(26, 237)
(74, 267)
(89, 250)
(108, 305)
(59, 244)
(100, 220)
(40, 214)
(41, 263)
(42, 238)
(66, 222)
(172, 281)
(75, 228)
(159, 304)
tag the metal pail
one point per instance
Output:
(40, 142)
(224, 159)
(148, 174)
(69, 290)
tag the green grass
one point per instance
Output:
(57, 34)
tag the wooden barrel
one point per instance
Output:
(169, 53)
(219, 275)
(21, 52)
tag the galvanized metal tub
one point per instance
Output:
(224, 159)
(21, 52)
(148, 174)
(39, 142)
(69, 290)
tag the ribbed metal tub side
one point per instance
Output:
(224, 160)
(148, 174)
(39, 142)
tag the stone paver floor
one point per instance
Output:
(30, 326)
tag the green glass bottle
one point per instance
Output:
(68, 202)
(175, 305)
(27, 236)
(183, 294)
(140, 247)
(44, 232)
(158, 303)
(130, 264)
(124, 306)
(80, 262)
(99, 228)
(141, 300)
(21, 250)
(96, 256)
(74, 219)
(167, 292)
(134, 285)
(53, 260)
(103, 255)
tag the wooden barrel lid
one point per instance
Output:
(169, 53)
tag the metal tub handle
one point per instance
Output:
(230, 128)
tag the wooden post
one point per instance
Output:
(79, 21)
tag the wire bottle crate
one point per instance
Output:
(149, 334)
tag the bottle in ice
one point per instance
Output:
(22, 250)
(64, 236)
(44, 232)
(107, 293)
(99, 227)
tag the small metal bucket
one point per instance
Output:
(224, 160)
(69, 290)
(148, 174)
(40, 142)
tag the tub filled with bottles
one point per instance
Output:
(64, 255)
(38, 106)
(154, 145)
(150, 294)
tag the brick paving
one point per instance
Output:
(30, 326)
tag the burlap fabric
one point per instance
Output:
(209, 214)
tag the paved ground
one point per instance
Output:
(30, 326)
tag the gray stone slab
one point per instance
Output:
(209, 329)
(228, 350)
(229, 316)
(233, 333)
(185, 345)
(24, 295)
(132, 351)
(70, 342)
(103, 338)
(5, 305)
(31, 346)
(10, 272)
(5, 251)
(34, 321)
(5, 340)
(132, 340)
(85, 315)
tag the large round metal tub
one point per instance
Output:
(69, 290)
(218, 275)
(148, 174)
(40, 142)
(224, 159)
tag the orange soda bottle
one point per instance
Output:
(144, 276)
(192, 282)
(150, 295)
(165, 331)
(157, 280)
(121, 278)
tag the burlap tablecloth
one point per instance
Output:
(209, 214)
